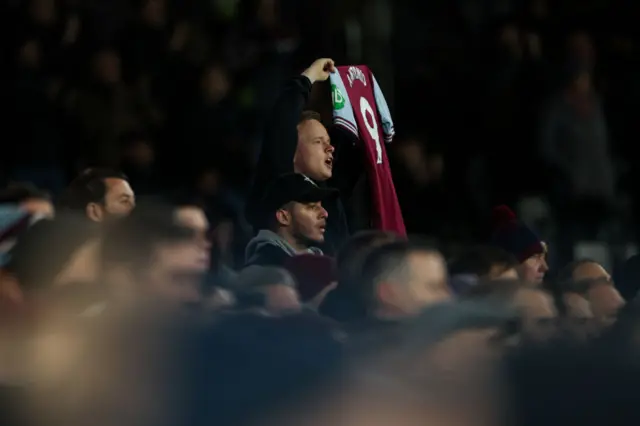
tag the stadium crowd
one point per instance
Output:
(189, 236)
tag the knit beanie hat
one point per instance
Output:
(514, 236)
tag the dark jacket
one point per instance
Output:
(276, 158)
(268, 249)
(370, 335)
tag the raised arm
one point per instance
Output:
(281, 132)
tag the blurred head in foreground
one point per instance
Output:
(248, 369)
(53, 255)
(535, 307)
(151, 259)
(345, 303)
(268, 289)
(402, 278)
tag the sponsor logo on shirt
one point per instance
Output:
(337, 97)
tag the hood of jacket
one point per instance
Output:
(269, 238)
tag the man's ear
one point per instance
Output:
(94, 212)
(384, 293)
(283, 217)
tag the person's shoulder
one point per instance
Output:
(301, 82)
(268, 255)
(371, 334)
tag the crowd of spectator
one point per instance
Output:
(165, 261)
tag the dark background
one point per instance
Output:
(176, 94)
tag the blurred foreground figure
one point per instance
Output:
(51, 256)
(400, 279)
(151, 261)
(345, 303)
(255, 370)
(559, 385)
(588, 291)
(247, 370)
(442, 370)
(535, 307)
(267, 289)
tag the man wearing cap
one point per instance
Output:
(296, 220)
(518, 239)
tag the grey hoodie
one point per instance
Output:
(266, 238)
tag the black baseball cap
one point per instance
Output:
(294, 187)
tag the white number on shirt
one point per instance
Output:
(367, 112)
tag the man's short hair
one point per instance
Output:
(17, 193)
(479, 260)
(345, 302)
(389, 261)
(309, 115)
(89, 187)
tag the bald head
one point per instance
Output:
(590, 270)
(605, 301)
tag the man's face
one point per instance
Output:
(577, 306)
(193, 217)
(537, 310)
(175, 276)
(119, 200)
(314, 155)
(579, 320)
(534, 268)
(308, 221)
(427, 283)
(605, 302)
